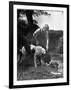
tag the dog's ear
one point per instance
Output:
(32, 47)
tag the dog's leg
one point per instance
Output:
(35, 61)
(42, 62)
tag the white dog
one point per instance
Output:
(38, 52)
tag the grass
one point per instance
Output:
(29, 72)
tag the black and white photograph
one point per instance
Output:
(39, 44)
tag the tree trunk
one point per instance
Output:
(29, 16)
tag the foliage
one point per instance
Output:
(56, 41)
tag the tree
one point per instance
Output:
(30, 13)
(27, 28)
